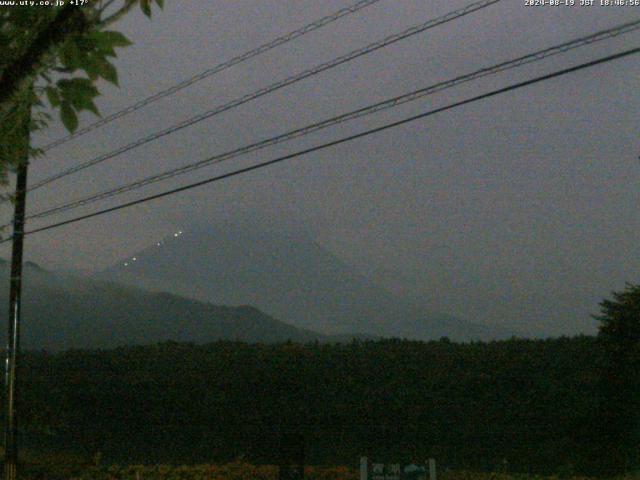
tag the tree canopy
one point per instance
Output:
(620, 317)
(52, 58)
(619, 384)
(468, 405)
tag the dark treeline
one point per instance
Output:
(517, 405)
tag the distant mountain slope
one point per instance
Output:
(288, 276)
(62, 311)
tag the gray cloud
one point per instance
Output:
(534, 193)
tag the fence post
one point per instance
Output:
(363, 468)
(432, 469)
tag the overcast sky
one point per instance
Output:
(521, 210)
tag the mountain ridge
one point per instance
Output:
(61, 311)
(287, 275)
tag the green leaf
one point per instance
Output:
(160, 3)
(53, 96)
(85, 43)
(69, 117)
(145, 6)
(92, 108)
(102, 42)
(109, 73)
(79, 93)
(77, 88)
(70, 55)
(92, 68)
(113, 39)
(77, 83)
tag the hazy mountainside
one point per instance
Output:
(62, 311)
(288, 276)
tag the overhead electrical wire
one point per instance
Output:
(473, 7)
(349, 138)
(386, 104)
(315, 25)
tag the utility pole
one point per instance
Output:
(13, 330)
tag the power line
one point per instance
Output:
(341, 140)
(386, 104)
(315, 25)
(273, 87)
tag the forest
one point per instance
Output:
(530, 406)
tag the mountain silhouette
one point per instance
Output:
(62, 311)
(288, 275)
